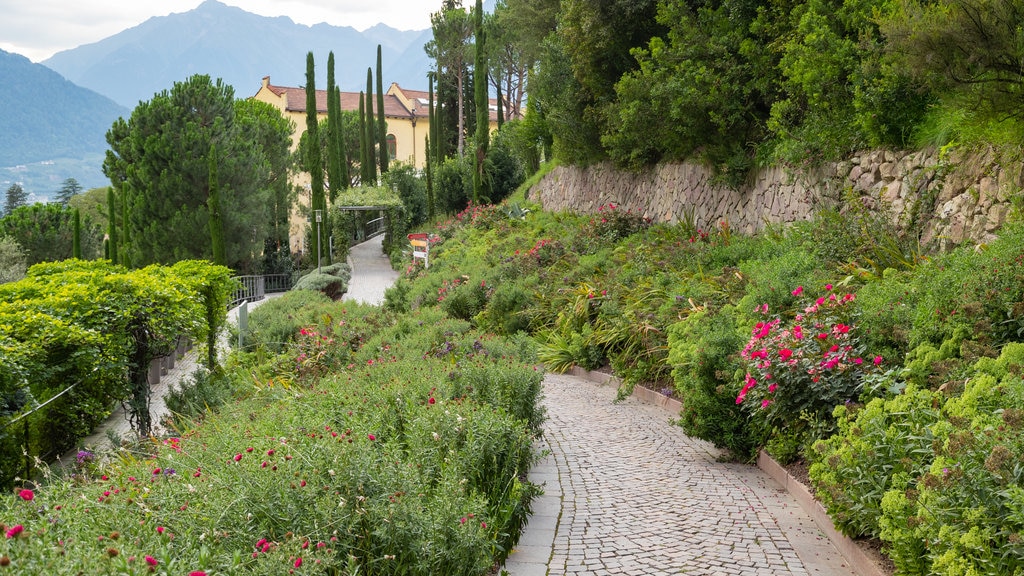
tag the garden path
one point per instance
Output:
(371, 272)
(628, 493)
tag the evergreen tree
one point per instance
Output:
(213, 203)
(111, 227)
(482, 105)
(341, 131)
(125, 236)
(70, 188)
(382, 126)
(430, 146)
(371, 140)
(16, 198)
(76, 240)
(363, 162)
(334, 138)
(158, 165)
(314, 162)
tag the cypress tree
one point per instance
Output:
(364, 178)
(125, 228)
(430, 184)
(76, 240)
(346, 179)
(213, 204)
(112, 227)
(501, 109)
(333, 137)
(429, 146)
(371, 140)
(314, 163)
(481, 103)
(382, 123)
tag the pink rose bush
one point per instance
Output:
(800, 368)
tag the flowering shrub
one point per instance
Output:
(804, 367)
(612, 223)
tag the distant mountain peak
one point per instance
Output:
(239, 47)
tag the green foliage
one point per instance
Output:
(15, 198)
(702, 353)
(331, 280)
(799, 370)
(881, 447)
(453, 182)
(45, 233)
(402, 178)
(13, 263)
(363, 469)
(158, 164)
(937, 479)
(96, 326)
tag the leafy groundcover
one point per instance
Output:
(370, 444)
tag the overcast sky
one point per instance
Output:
(38, 29)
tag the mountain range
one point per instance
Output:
(53, 128)
(241, 48)
(50, 129)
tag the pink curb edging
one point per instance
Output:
(859, 561)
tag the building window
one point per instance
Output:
(392, 147)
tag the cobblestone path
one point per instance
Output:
(627, 492)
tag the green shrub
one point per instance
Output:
(799, 370)
(963, 516)
(884, 446)
(703, 355)
(331, 280)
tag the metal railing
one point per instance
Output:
(375, 227)
(255, 288)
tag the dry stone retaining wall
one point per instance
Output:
(946, 198)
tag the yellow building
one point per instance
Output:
(405, 112)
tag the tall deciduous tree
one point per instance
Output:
(449, 48)
(270, 133)
(382, 122)
(482, 138)
(158, 159)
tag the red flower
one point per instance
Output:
(799, 290)
(877, 360)
(197, 573)
(298, 562)
(431, 401)
(238, 457)
(15, 530)
(151, 561)
(785, 353)
(371, 437)
(26, 494)
(160, 529)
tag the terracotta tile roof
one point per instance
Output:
(296, 98)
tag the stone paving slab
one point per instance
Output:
(639, 497)
(371, 272)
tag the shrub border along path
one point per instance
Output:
(627, 492)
